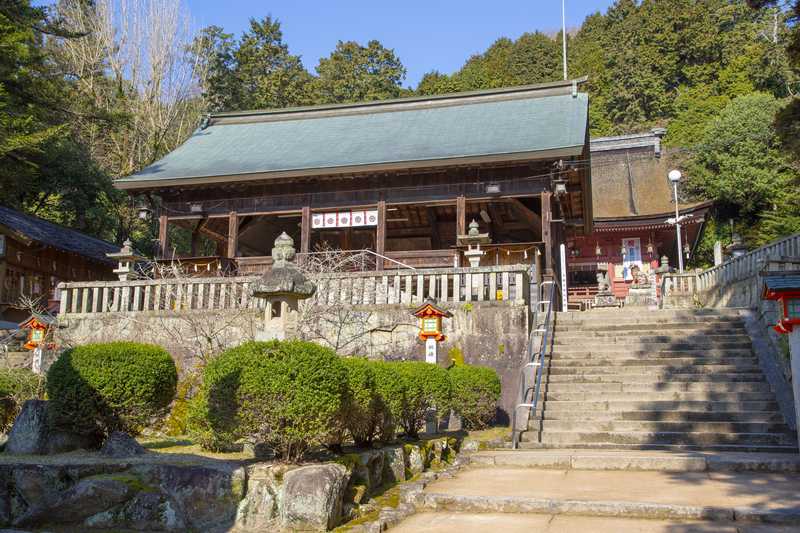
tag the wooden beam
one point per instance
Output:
(196, 235)
(547, 232)
(163, 221)
(461, 215)
(233, 234)
(433, 221)
(380, 239)
(497, 220)
(528, 216)
(305, 230)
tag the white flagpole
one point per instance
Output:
(564, 36)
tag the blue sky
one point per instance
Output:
(426, 35)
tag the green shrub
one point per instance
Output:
(392, 391)
(425, 386)
(119, 386)
(365, 411)
(16, 386)
(475, 392)
(286, 394)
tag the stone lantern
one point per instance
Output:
(473, 240)
(283, 286)
(126, 260)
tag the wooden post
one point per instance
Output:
(547, 232)
(380, 239)
(461, 215)
(233, 234)
(162, 237)
(305, 230)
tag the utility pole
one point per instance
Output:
(564, 36)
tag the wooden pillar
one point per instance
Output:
(461, 215)
(547, 232)
(161, 253)
(380, 239)
(233, 234)
(305, 230)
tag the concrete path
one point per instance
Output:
(529, 523)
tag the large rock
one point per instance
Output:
(31, 434)
(394, 464)
(120, 444)
(88, 497)
(146, 511)
(312, 497)
(258, 511)
(207, 497)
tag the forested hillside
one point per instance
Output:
(88, 95)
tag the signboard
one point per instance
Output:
(344, 219)
(430, 350)
(358, 218)
(317, 220)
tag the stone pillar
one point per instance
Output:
(233, 234)
(380, 237)
(794, 351)
(161, 253)
(305, 230)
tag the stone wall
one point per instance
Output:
(164, 492)
(488, 333)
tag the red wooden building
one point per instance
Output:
(632, 200)
(36, 255)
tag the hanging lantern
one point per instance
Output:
(623, 251)
(650, 247)
(597, 250)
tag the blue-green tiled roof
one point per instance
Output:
(325, 139)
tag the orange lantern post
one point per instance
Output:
(430, 328)
(38, 327)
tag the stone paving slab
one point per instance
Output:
(640, 461)
(446, 522)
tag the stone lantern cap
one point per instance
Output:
(126, 253)
(283, 279)
(474, 236)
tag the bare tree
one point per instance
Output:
(136, 65)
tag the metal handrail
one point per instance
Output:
(536, 359)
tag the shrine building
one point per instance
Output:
(402, 178)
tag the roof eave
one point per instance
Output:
(148, 184)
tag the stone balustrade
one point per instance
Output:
(399, 287)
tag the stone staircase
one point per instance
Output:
(641, 379)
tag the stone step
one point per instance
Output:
(620, 328)
(685, 363)
(752, 377)
(569, 438)
(658, 335)
(705, 448)
(717, 498)
(620, 426)
(633, 461)
(763, 417)
(684, 386)
(631, 348)
(555, 407)
(595, 369)
(645, 397)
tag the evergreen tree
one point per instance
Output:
(355, 73)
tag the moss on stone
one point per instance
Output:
(132, 481)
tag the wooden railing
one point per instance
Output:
(407, 287)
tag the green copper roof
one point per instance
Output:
(520, 123)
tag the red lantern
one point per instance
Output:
(785, 289)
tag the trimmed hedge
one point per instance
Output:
(366, 412)
(392, 391)
(119, 386)
(475, 392)
(17, 385)
(425, 386)
(286, 394)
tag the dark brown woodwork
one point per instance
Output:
(380, 239)
(433, 221)
(305, 230)
(196, 235)
(162, 236)
(497, 220)
(547, 232)
(233, 234)
(533, 220)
